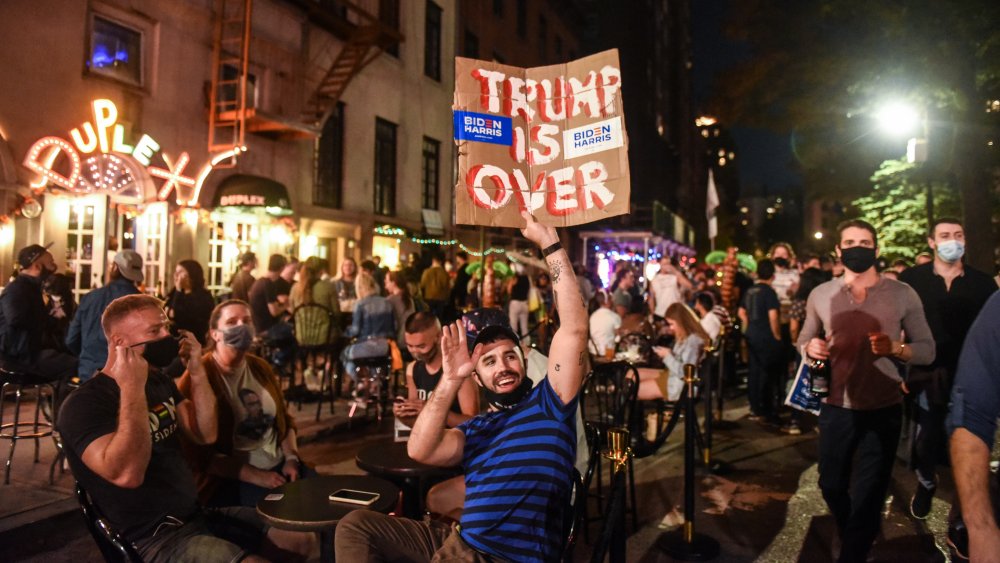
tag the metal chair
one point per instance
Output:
(312, 333)
(113, 546)
(17, 382)
(607, 400)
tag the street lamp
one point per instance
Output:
(899, 119)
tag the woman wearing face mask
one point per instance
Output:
(256, 449)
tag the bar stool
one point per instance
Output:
(17, 383)
(374, 374)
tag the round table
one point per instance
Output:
(305, 505)
(391, 461)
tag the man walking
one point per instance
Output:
(759, 314)
(86, 337)
(952, 295)
(854, 324)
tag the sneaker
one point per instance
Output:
(791, 429)
(958, 541)
(920, 504)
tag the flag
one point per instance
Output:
(711, 203)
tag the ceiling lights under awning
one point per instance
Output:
(243, 192)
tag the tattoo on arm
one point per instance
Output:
(556, 267)
(557, 367)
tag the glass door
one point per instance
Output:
(85, 242)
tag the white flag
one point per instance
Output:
(711, 203)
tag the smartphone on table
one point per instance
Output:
(351, 496)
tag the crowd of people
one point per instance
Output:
(178, 423)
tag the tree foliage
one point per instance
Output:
(896, 207)
(819, 69)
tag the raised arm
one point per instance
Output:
(197, 416)
(431, 442)
(568, 350)
(122, 456)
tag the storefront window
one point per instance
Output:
(115, 51)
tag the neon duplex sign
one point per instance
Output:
(106, 135)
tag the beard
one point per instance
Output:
(426, 357)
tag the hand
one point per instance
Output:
(457, 363)
(880, 343)
(291, 469)
(190, 350)
(904, 388)
(128, 367)
(407, 408)
(261, 477)
(817, 349)
(662, 351)
(542, 235)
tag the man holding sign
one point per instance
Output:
(518, 460)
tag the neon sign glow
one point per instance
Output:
(106, 135)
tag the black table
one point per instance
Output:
(306, 507)
(391, 461)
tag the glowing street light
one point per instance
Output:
(898, 118)
(818, 235)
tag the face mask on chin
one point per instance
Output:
(857, 259)
(505, 401)
(160, 353)
(950, 251)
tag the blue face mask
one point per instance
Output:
(950, 251)
(238, 336)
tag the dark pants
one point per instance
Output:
(365, 536)
(932, 391)
(765, 363)
(873, 435)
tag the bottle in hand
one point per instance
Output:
(819, 378)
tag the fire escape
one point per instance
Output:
(363, 37)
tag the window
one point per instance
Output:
(329, 181)
(385, 167)
(115, 51)
(228, 93)
(429, 173)
(498, 8)
(522, 18)
(388, 14)
(471, 45)
(432, 41)
(543, 37)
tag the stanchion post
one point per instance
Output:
(619, 452)
(710, 349)
(686, 544)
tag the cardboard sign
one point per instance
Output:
(548, 139)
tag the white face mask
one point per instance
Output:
(950, 250)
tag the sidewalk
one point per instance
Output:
(767, 509)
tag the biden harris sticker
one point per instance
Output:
(594, 138)
(482, 127)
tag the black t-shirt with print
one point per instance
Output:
(168, 488)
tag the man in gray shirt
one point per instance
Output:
(856, 323)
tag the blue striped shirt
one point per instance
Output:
(519, 467)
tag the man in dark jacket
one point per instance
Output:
(86, 337)
(23, 319)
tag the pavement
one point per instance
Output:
(766, 508)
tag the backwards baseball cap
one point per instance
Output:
(27, 256)
(129, 263)
(487, 325)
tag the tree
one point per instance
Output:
(820, 67)
(896, 208)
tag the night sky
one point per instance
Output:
(764, 157)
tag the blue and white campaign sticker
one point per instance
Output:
(483, 127)
(596, 137)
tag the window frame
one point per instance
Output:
(149, 39)
(430, 188)
(328, 188)
(385, 172)
(433, 25)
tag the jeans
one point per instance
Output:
(873, 435)
(213, 535)
(365, 536)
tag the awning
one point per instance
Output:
(243, 191)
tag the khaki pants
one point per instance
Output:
(366, 536)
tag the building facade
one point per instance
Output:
(207, 128)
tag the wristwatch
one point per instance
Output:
(902, 348)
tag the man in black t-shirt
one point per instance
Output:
(422, 332)
(759, 314)
(266, 303)
(952, 295)
(119, 431)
